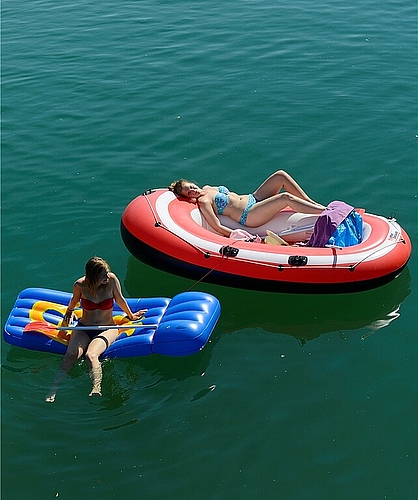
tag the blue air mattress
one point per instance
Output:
(178, 326)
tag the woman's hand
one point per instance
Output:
(138, 314)
(68, 317)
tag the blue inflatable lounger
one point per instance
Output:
(178, 326)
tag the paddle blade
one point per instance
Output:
(39, 326)
(51, 331)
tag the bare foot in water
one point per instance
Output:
(50, 398)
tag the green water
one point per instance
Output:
(296, 397)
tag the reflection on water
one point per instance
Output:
(124, 377)
(381, 323)
(305, 317)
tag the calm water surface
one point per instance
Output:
(296, 397)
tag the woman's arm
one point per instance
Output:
(206, 208)
(121, 301)
(75, 299)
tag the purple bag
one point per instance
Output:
(327, 223)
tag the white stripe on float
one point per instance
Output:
(372, 253)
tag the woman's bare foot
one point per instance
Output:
(50, 398)
(96, 378)
(95, 392)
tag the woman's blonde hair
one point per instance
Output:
(177, 186)
(94, 271)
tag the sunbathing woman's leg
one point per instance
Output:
(263, 211)
(278, 181)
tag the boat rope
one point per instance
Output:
(225, 253)
(223, 250)
(352, 267)
(158, 223)
(205, 253)
(207, 274)
(145, 195)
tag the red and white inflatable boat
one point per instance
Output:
(170, 233)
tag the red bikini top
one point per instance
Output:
(104, 305)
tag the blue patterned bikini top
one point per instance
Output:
(221, 199)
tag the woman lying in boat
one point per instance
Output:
(96, 291)
(278, 191)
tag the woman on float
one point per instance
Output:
(96, 291)
(278, 191)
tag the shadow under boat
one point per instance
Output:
(304, 317)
